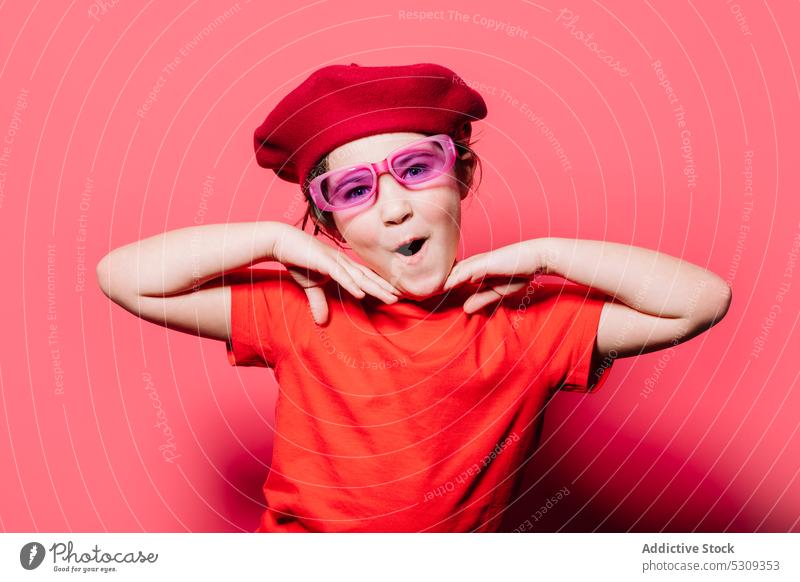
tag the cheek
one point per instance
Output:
(357, 231)
(444, 213)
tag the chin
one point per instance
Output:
(422, 289)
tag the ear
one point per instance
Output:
(465, 132)
(467, 162)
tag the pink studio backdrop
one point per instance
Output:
(667, 125)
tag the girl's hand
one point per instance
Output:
(311, 263)
(504, 271)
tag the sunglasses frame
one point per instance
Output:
(377, 169)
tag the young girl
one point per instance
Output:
(411, 384)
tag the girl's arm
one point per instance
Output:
(173, 279)
(659, 300)
(161, 278)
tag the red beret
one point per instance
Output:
(340, 103)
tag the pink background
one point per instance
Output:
(712, 447)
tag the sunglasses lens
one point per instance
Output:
(348, 187)
(416, 164)
(420, 163)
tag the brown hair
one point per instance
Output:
(467, 161)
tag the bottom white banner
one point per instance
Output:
(418, 557)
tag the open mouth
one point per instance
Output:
(411, 248)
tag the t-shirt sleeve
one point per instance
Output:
(258, 313)
(565, 325)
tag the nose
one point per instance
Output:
(395, 207)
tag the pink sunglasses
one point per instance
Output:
(413, 165)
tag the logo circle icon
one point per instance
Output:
(31, 555)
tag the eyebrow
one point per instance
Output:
(398, 152)
(415, 154)
(350, 180)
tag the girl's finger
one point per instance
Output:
(511, 286)
(457, 274)
(470, 269)
(370, 285)
(378, 279)
(494, 293)
(480, 300)
(352, 279)
(479, 268)
(318, 304)
(342, 276)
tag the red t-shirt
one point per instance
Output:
(409, 417)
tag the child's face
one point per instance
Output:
(396, 213)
